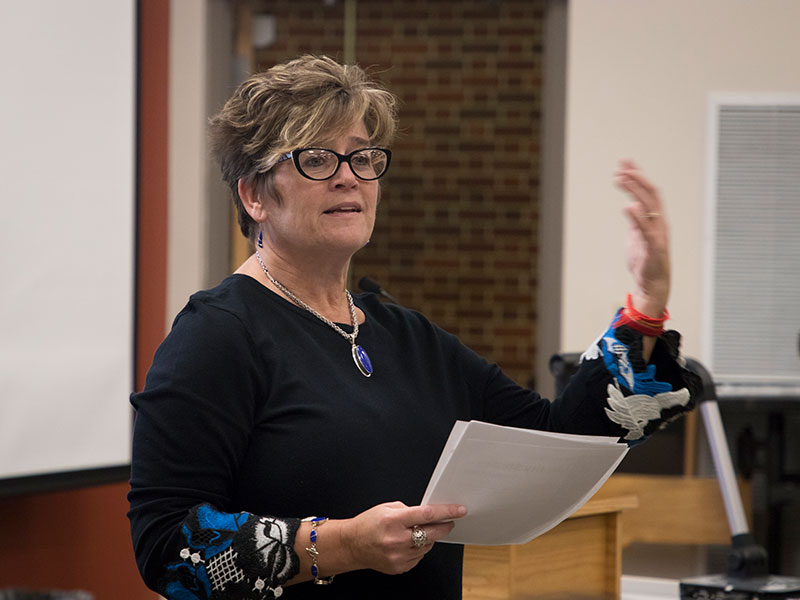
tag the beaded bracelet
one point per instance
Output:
(313, 553)
(640, 322)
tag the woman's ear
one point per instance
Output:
(251, 200)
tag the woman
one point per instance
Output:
(278, 396)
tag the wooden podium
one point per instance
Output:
(581, 558)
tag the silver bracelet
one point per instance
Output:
(313, 553)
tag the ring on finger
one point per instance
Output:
(652, 215)
(418, 536)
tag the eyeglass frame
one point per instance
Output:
(295, 156)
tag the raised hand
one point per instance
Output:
(648, 241)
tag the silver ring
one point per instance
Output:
(418, 536)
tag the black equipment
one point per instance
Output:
(368, 285)
(747, 577)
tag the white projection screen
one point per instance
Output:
(67, 233)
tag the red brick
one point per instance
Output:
(410, 47)
(517, 97)
(455, 30)
(519, 299)
(516, 31)
(512, 265)
(480, 13)
(487, 47)
(397, 212)
(480, 80)
(413, 79)
(374, 31)
(487, 146)
(454, 96)
(444, 47)
(435, 130)
(441, 230)
(443, 63)
(412, 280)
(405, 246)
(471, 215)
(477, 113)
(473, 313)
(477, 180)
(305, 30)
(485, 349)
(440, 296)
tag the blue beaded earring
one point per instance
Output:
(260, 240)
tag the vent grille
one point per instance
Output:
(756, 266)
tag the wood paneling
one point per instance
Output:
(580, 558)
(673, 510)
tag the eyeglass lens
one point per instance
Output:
(317, 163)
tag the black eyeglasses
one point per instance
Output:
(320, 164)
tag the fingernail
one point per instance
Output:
(462, 510)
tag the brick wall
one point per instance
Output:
(456, 234)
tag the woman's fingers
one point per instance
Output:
(437, 531)
(629, 171)
(646, 211)
(381, 537)
(436, 520)
(641, 190)
(433, 513)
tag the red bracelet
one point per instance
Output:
(639, 322)
(635, 314)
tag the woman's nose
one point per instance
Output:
(344, 175)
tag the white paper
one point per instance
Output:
(517, 483)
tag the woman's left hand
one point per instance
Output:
(648, 241)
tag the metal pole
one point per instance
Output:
(718, 444)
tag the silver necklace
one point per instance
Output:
(360, 356)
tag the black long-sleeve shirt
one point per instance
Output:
(253, 404)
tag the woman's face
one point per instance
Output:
(334, 215)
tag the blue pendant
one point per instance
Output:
(362, 360)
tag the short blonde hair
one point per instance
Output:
(292, 105)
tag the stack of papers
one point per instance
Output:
(517, 483)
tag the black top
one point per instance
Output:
(253, 404)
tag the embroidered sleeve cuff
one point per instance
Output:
(641, 397)
(231, 556)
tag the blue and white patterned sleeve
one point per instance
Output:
(231, 556)
(642, 396)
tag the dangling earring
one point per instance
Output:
(260, 240)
